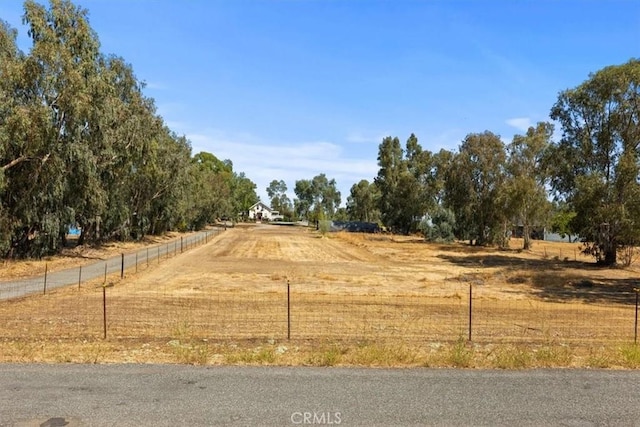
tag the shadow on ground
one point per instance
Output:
(550, 279)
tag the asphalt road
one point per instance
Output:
(175, 395)
(39, 284)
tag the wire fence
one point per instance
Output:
(116, 265)
(290, 311)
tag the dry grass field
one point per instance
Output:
(353, 299)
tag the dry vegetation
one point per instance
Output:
(375, 300)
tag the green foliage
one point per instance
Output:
(80, 145)
(341, 215)
(362, 203)
(217, 191)
(407, 183)
(525, 192)
(277, 192)
(631, 356)
(439, 226)
(317, 198)
(561, 221)
(474, 189)
(596, 164)
(324, 226)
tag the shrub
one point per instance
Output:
(438, 227)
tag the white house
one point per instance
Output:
(260, 212)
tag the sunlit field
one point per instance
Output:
(289, 295)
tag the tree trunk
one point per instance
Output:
(526, 236)
(610, 257)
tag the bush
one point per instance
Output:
(439, 226)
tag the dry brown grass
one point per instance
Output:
(374, 300)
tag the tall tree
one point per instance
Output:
(244, 193)
(10, 64)
(327, 198)
(387, 181)
(277, 192)
(596, 163)
(525, 187)
(406, 180)
(473, 186)
(49, 143)
(317, 198)
(304, 198)
(81, 145)
(392, 181)
(362, 203)
(219, 192)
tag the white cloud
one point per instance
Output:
(264, 161)
(520, 123)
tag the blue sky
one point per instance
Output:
(291, 89)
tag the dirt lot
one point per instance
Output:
(353, 299)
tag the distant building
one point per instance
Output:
(535, 232)
(262, 212)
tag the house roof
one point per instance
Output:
(264, 207)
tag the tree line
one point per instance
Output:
(585, 184)
(82, 146)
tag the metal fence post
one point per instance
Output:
(122, 267)
(470, 308)
(79, 276)
(104, 310)
(635, 328)
(46, 268)
(288, 311)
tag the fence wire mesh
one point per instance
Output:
(201, 311)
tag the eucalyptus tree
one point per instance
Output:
(596, 163)
(327, 198)
(317, 198)
(244, 193)
(168, 181)
(442, 162)
(389, 182)
(473, 189)
(210, 189)
(10, 62)
(304, 198)
(526, 179)
(362, 203)
(406, 181)
(277, 192)
(48, 128)
(123, 124)
(80, 144)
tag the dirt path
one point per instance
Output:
(246, 257)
